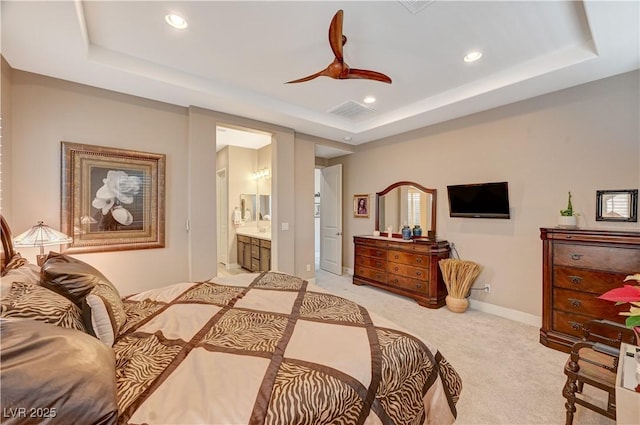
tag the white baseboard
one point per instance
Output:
(232, 266)
(507, 313)
(311, 281)
(347, 270)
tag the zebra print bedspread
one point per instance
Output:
(273, 349)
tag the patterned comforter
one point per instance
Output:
(273, 349)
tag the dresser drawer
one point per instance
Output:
(372, 262)
(371, 242)
(265, 243)
(245, 239)
(615, 259)
(371, 252)
(373, 274)
(409, 246)
(586, 303)
(407, 283)
(409, 271)
(255, 251)
(597, 282)
(571, 324)
(408, 258)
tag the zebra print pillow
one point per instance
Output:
(29, 301)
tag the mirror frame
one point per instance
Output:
(633, 205)
(431, 233)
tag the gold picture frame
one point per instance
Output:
(361, 206)
(112, 199)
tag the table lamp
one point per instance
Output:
(41, 235)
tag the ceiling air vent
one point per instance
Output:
(350, 109)
(416, 6)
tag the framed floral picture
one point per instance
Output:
(112, 199)
(361, 206)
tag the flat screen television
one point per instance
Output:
(481, 200)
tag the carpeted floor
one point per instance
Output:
(508, 377)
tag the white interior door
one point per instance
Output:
(331, 219)
(223, 219)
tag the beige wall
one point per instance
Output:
(5, 140)
(581, 139)
(42, 112)
(46, 111)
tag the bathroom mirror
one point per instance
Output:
(406, 203)
(248, 207)
(264, 209)
(251, 211)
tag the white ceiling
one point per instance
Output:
(236, 56)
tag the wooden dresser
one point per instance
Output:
(407, 268)
(578, 265)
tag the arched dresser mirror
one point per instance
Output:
(406, 203)
(407, 267)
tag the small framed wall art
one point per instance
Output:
(361, 206)
(617, 205)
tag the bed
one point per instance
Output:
(267, 348)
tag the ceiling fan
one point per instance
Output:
(338, 69)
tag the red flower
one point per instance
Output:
(626, 294)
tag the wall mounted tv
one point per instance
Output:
(481, 200)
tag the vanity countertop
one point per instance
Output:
(254, 232)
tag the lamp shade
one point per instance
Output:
(40, 235)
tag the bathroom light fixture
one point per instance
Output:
(369, 99)
(176, 21)
(472, 56)
(261, 174)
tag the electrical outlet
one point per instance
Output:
(487, 288)
(308, 267)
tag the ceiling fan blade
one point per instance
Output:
(367, 75)
(310, 77)
(336, 40)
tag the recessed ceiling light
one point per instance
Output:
(369, 99)
(472, 56)
(176, 21)
(347, 138)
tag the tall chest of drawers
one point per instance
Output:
(578, 266)
(407, 268)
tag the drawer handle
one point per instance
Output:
(378, 275)
(418, 286)
(378, 253)
(575, 303)
(575, 325)
(418, 273)
(394, 281)
(576, 256)
(396, 256)
(575, 279)
(419, 260)
(378, 264)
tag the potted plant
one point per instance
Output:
(628, 294)
(568, 218)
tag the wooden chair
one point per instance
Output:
(594, 361)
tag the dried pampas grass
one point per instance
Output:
(458, 275)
